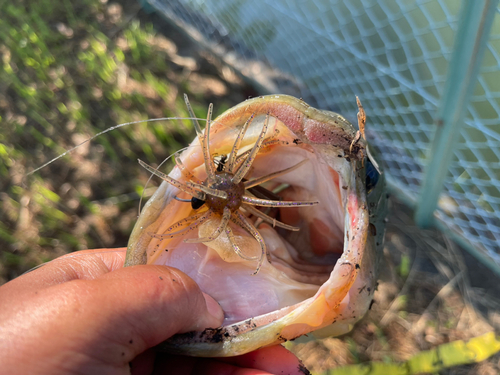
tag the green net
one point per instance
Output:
(396, 56)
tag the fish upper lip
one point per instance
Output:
(307, 122)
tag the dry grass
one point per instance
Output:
(70, 71)
(427, 295)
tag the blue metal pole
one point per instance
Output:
(476, 19)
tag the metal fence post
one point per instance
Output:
(476, 19)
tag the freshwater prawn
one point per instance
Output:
(224, 191)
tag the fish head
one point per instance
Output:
(319, 278)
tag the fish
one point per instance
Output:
(276, 210)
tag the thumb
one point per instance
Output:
(142, 306)
(104, 323)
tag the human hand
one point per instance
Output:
(85, 314)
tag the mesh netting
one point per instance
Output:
(395, 56)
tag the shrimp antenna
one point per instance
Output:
(104, 132)
(209, 165)
(194, 120)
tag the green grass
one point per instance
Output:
(70, 70)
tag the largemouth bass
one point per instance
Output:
(277, 212)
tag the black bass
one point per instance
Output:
(277, 212)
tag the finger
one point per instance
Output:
(110, 319)
(273, 359)
(112, 258)
(180, 365)
(85, 264)
(150, 303)
(143, 364)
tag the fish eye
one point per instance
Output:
(372, 176)
(196, 203)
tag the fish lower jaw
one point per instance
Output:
(284, 281)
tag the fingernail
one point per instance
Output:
(214, 308)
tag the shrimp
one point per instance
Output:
(225, 192)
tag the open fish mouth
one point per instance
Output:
(268, 212)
